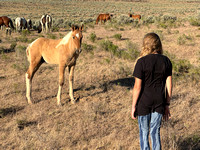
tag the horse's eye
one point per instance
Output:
(73, 37)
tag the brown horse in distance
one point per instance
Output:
(135, 16)
(63, 52)
(103, 17)
(4, 20)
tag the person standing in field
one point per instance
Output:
(152, 91)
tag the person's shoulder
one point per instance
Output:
(145, 58)
(165, 57)
(167, 60)
(140, 59)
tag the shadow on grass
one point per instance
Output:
(21, 124)
(189, 143)
(127, 82)
(92, 90)
(6, 50)
(10, 111)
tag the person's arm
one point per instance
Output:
(167, 114)
(136, 93)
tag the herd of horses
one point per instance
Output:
(106, 17)
(63, 52)
(21, 23)
(45, 23)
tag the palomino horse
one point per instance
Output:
(63, 52)
(21, 24)
(4, 20)
(103, 17)
(46, 23)
(135, 16)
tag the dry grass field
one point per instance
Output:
(100, 120)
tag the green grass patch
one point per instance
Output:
(183, 70)
(194, 21)
(130, 53)
(88, 48)
(117, 36)
(185, 40)
(25, 32)
(108, 46)
(92, 37)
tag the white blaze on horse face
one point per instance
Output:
(65, 39)
(77, 35)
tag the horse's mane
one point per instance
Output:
(65, 39)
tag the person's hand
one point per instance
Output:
(167, 114)
(132, 113)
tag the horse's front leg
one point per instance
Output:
(71, 80)
(61, 83)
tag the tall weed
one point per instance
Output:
(92, 37)
(130, 53)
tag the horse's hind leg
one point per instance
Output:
(9, 31)
(43, 28)
(33, 67)
(46, 27)
(71, 81)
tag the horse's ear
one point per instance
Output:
(81, 28)
(73, 27)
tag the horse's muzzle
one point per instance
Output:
(78, 51)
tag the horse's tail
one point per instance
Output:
(11, 24)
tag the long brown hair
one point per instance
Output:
(151, 45)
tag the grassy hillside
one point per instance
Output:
(103, 76)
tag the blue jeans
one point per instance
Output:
(153, 122)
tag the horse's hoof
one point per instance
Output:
(73, 101)
(59, 104)
(30, 102)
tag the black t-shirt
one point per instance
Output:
(153, 69)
